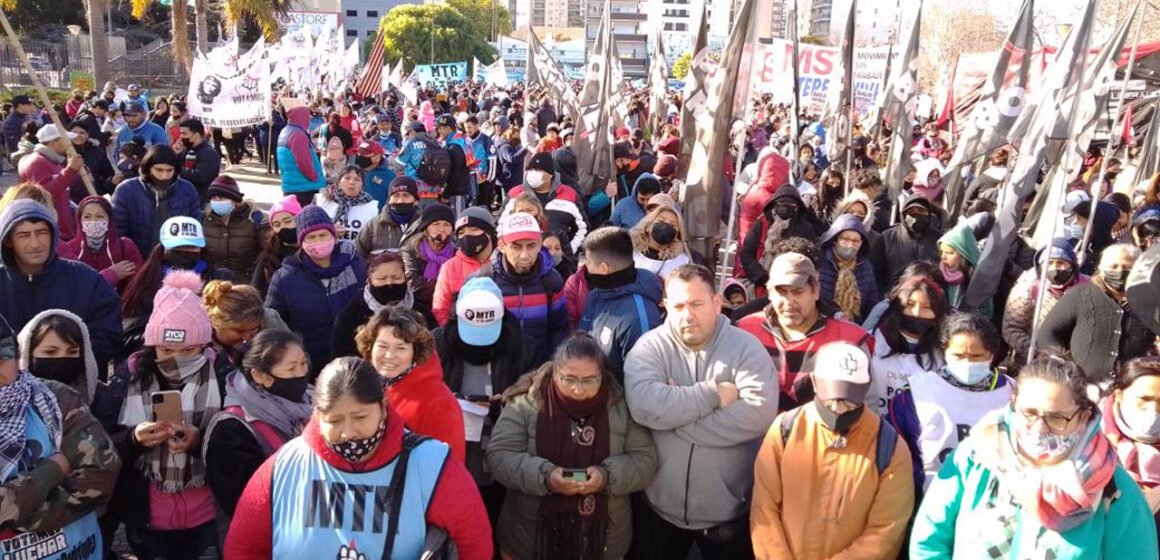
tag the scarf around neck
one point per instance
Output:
(200, 400)
(1140, 459)
(434, 259)
(15, 398)
(846, 293)
(408, 301)
(1061, 496)
(572, 434)
(285, 416)
(49, 154)
(345, 203)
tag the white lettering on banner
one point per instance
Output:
(316, 22)
(818, 71)
(223, 97)
(440, 74)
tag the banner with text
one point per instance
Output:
(439, 74)
(231, 97)
(818, 71)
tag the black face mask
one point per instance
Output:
(785, 212)
(362, 161)
(403, 210)
(473, 245)
(290, 389)
(187, 142)
(663, 233)
(389, 293)
(288, 236)
(64, 370)
(1059, 277)
(183, 260)
(611, 280)
(839, 423)
(917, 325)
(916, 224)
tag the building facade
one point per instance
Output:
(629, 30)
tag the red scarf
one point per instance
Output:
(573, 435)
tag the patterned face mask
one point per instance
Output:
(1046, 446)
(356, 450)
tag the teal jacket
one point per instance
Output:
(954, 516)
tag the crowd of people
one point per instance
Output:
(440, 341)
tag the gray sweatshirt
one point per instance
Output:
(705, 453)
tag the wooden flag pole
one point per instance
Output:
(84, 172)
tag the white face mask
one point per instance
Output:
(95, 228)
(535, 179)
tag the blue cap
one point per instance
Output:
(134, 107)
(479, 308)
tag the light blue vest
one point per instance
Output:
(293, 181)
(80, 539)
(318, 509)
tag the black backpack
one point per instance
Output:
(884, 448)
(436, 164)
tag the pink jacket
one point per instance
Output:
(576, 294)
(451, 278)
(56, 178)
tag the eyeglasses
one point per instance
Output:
(574, 382)
(1055, 421)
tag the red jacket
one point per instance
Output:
(56, 178)
(794, 360)
(772, 172)
(429, 407)
(576, 295)
(455, 505)
(115, 249)
(563, 192)
(452, 275)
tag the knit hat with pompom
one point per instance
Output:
(178, 318)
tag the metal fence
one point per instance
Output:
(151, 66)
(50, 61)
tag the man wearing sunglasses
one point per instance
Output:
(33, 279)
(58, 465)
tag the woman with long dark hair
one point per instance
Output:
(281, 243)
(906, 338)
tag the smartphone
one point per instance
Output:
(576, 475)
(477, 398)
(167, 407)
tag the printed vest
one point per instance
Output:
(890, 373)
(947, 414)
(320, 511)
(80, 539)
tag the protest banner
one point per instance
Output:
(818, 71)
(440, 74)
(231, 97)
(315, 22)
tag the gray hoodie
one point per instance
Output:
(705, 453)
(85, 385)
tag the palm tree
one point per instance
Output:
(234, 13)
(98, 40)
(262, 12)
(179, 28)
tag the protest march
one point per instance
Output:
(797, 307)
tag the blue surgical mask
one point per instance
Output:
(221, 207)
(969, 373)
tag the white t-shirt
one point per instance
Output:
(356, 217)
(889, 372)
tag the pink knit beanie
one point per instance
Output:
(289, 205)
(178, 317)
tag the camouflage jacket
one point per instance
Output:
(44, 499)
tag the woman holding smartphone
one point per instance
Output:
(570, 455)
(171, 393)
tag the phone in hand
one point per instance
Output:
(477, 398)
(576, 475)
(167, 407)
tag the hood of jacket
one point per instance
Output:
(299, 116)
(786, 191)
(772, 171)
(1106, 216)
(108, 208)
(21, 211)
(1059, 248)
(857, 197)
(646, 176)
(845, 222)
(85, 385)
(922, 170)
(961, 238)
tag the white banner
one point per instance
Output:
(496, 74)
(313, 22)
(231, 97)
(818, 71)
(439, 74)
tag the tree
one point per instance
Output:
(98, 40)
(263, 13)
(179, 27)
(814, 40)
(424, 33)
(951, 28)
(482, 14)
(681, 66)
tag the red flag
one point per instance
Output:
(948, 110)
(1127, 138)
(370, 82)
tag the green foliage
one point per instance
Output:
(815, 40)
(681, 66)
(410, 30)
(57, 96)
(481, 14)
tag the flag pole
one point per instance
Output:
(1098, 182)
(795, 107)
(742, 138)
(86, 177)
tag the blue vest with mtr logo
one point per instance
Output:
(320, 511)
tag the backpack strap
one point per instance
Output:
(887, 441)
(786, 423)
(267, 437)
(411, 440)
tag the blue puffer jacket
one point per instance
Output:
(295, 149)
(63, 284)
(135, 205)
(863, 271)
(617, 317)
(537, 303)
(310, 308)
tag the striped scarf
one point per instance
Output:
(15, 398)
(345, 203)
